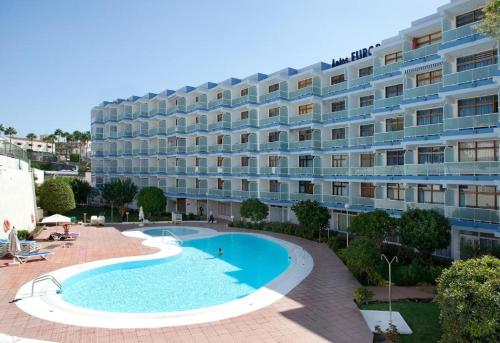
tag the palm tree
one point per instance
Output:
(2, 128)
(86, 137)
(58, 133)
(10, 131)
(31, 136)
(77, 136)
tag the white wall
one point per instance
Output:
(17, 195)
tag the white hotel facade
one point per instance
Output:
(413, 124)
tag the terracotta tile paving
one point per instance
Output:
(320, 309)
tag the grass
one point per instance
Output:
(106, 211)
(422, 317)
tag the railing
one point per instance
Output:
(274, 195)
(196, 106)
(463, 31)
(424, 169)
(273, 95)
(422, 91)
(334, 88)
(470, 213)
(336, 143)
(244, 170)
(272, 120)
(335, 199)
(220, 125)
(334, 115)
(219, 102)
(469, 122)
(244, 122)
(310, 90)
(301, 118)
(368, 140)
(14, 151)
(243, 100)
(473, 168)
(359, 111)
(220, 148)
(389, 136)
(304, 196)
(363, 201)
(361, 81)
(243, 194)
(470, 75)
(44, 278)
(421, 52)
(423, 130)
(388, 68)
(390, 204)
(337, 171)
(273, 145)
(390, 170)
(244, 147)
(388, 102)
(312, 143)
(426, 206)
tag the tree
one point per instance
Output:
(31, 136)
(362, 258)
(56, 196)
(469, 301)
(2, 128)
(490, 25)
(119, 193)
(85, 139)
(10, 131)
(152, 200)
(81, 190)
(254, 209)
(312, 217)
(376, 225)
(425, 230)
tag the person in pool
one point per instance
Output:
(220, 252)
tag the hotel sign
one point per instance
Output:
(355, 55)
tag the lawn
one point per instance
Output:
(422, 317)
(106, 211)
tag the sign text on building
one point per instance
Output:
(355, 55)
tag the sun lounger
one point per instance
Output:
(57, 236)
(26, 246)
(23, 257)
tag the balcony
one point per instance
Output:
(390, 170)
(303, 92)
(196, 191)
(175, 129)
(176, 109)
(247, 99)
(308, 144)
(304, 171)
(390, 204)
(470, 122)
(475, 214)
(336, 143)
(425, 51)
(361, 81)
(304, 118)
(218, 103)
(220, 148)
(125, 152)
(388, 103)
(125, 134)
(176, 190)
(360, 111)
(423, 130)
(244, 170)
(239, 147)
(276, 196)
(473, 168)
(277, 145)
(470, 75)
(389, 136)
(243, 194)
(304, 197)
(335, 199)
(358, 141)
(273, 171)
(424, 169)
(219, 125)
(196, 149)
(196, 106)
(361, 201)
(125, 116)
(279, 94)
(337, 171)
(333, 116)
(196, 127)
(219, 170)
(272, 120)
(338, 87)
(244, 123)
(386, 69)
(439, 208)
(220, 193)
(138, 151)
(422, 92)
(460, 32)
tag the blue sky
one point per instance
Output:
(61, 57)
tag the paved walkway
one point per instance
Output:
(320, 309)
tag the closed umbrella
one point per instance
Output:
(14, 245)
(141, 214)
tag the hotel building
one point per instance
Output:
(410, 123)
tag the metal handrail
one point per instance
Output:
(43, 278)
(180, 241)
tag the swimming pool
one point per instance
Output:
(196, 278)
(168, 231)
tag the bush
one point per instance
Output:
(469, 300)
(81, 190)
(23, 234)
(410, 274)
(152, 200)
(335, 243)
(312, 218)
(376, 225)
(362, 295)
(425, 230)
(56, 196)
(362, 258)
(254, 209)
(74, 157)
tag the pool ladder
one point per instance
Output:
(43, 278)
(179, 241)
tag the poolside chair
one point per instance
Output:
(57, 236)
(23, 257)
(26, 246)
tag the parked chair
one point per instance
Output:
(24, 257)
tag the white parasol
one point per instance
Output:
(56, 218)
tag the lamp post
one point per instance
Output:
(346, 206)
(84, 218)
(127, 213)
(395, 258)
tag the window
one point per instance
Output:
(306, 187)
(305, 135)
(431, 194)
(366, 160)
(304, 83)
(394, 124)
(273, 136)
(429, 39)
(273, 186)
(305, 109)
(220, 139)
(430, 116)
(220, 161)
(478, 106)
(481, 59)
(338, 133)
(366, 130)
(434, 154)
(244, 161)
(273, 161)
(337, 79)
(244, 138)
(244, 92)
(394, 57)
(395, 157)
(273, 87)
(479, 151)
(367, 190)
(365, 71)
(469, 17)
(392, 91)
(429, 77)
(273, 112)
(244, 115)
(219, 95)
(220, 184)
(339, 161)
(245, 185)
(366, 101)
(478, 196)
(395, 191)
(306, 161)
(338, 106)
(339, 188)
(220, 116)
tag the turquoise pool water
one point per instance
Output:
(196, 278)
(165, 231)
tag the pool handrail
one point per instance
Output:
(180, 241)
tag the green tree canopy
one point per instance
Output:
(490, 25)
(152, 200)
(376, 225)
(56, 196)
(81, 189)
(469, 300)
(425, 230)
(312, 217)
(119, 193)
(362, 258)
(254, 209)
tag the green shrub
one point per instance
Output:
(335, 243)
(254, 209)
(362, 295)
(362, 259)
(152, 200)
(410, 274)
(56, 196)
(469, 300)
(74, 157)
(312, 218)
(23, 234)
(81, 190)
(376, 225)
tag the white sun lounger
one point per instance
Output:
(23, 257)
